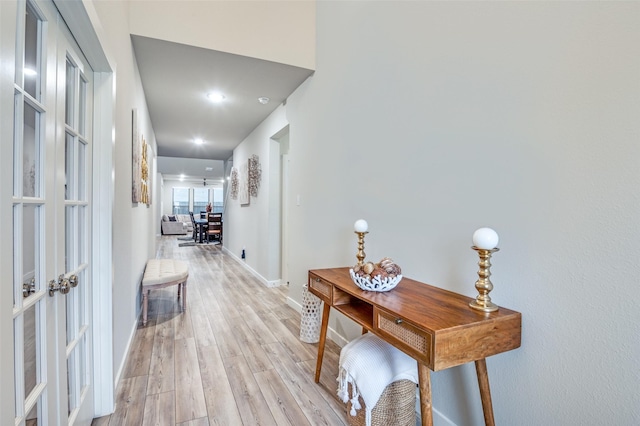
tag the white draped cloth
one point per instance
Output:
(370, 364)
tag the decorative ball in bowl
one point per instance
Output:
(382, 276)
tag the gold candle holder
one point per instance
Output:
(361, 254)
(483, 285)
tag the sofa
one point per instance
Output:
(176, 224)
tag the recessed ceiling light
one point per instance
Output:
(182, 177)
(198, 141)
(209, 169)
(263, 100)
(216, 97)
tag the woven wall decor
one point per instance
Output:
(255, 175)
(235, 183)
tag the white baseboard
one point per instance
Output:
(440, 419)
(263, 280)
(295, 305)
(126, 352)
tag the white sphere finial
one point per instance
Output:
(361, 225)
(485, 238)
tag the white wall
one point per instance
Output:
(159, 197)
(432, 119)
(254, 226)
(134, 225)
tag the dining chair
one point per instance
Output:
(195, 227)
(214, 227)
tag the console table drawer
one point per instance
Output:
(414, 340)
(320, 288)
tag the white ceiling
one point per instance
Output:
(176, 79)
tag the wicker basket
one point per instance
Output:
(396, 406)
(310, 317)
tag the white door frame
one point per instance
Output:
(282, 138)
(103, 201)
(8, 30)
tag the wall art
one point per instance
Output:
(140, 181)
(255, 175)
(233, 192)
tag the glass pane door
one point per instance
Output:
(30, 207)
(49, 151)
(74, 149)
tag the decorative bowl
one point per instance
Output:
(376, 283)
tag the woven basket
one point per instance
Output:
(396, 406)
(310, 317)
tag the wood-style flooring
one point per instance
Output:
(233, 358)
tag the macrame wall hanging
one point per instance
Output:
(235, 183)
(255, 175)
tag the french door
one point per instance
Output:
(51, 154)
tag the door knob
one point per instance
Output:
(62, 286)
(29, 288)
(73, 281)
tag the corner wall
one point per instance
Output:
(134, 225)
(255, 227)
(432, 119)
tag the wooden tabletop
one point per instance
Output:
(445, 315)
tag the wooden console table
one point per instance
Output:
(435, 326)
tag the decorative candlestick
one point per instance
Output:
(360, 228)
(485, 241)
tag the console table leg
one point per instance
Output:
(485, 392)
(323, 339)
(424, 376)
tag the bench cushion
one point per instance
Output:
(164, 271)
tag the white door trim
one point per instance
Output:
(103, 202)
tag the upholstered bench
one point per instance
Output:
(163, 273)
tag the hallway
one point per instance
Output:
(234, 357)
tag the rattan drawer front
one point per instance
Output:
(320, 288)
(408, 336)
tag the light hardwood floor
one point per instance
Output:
(233, 358)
